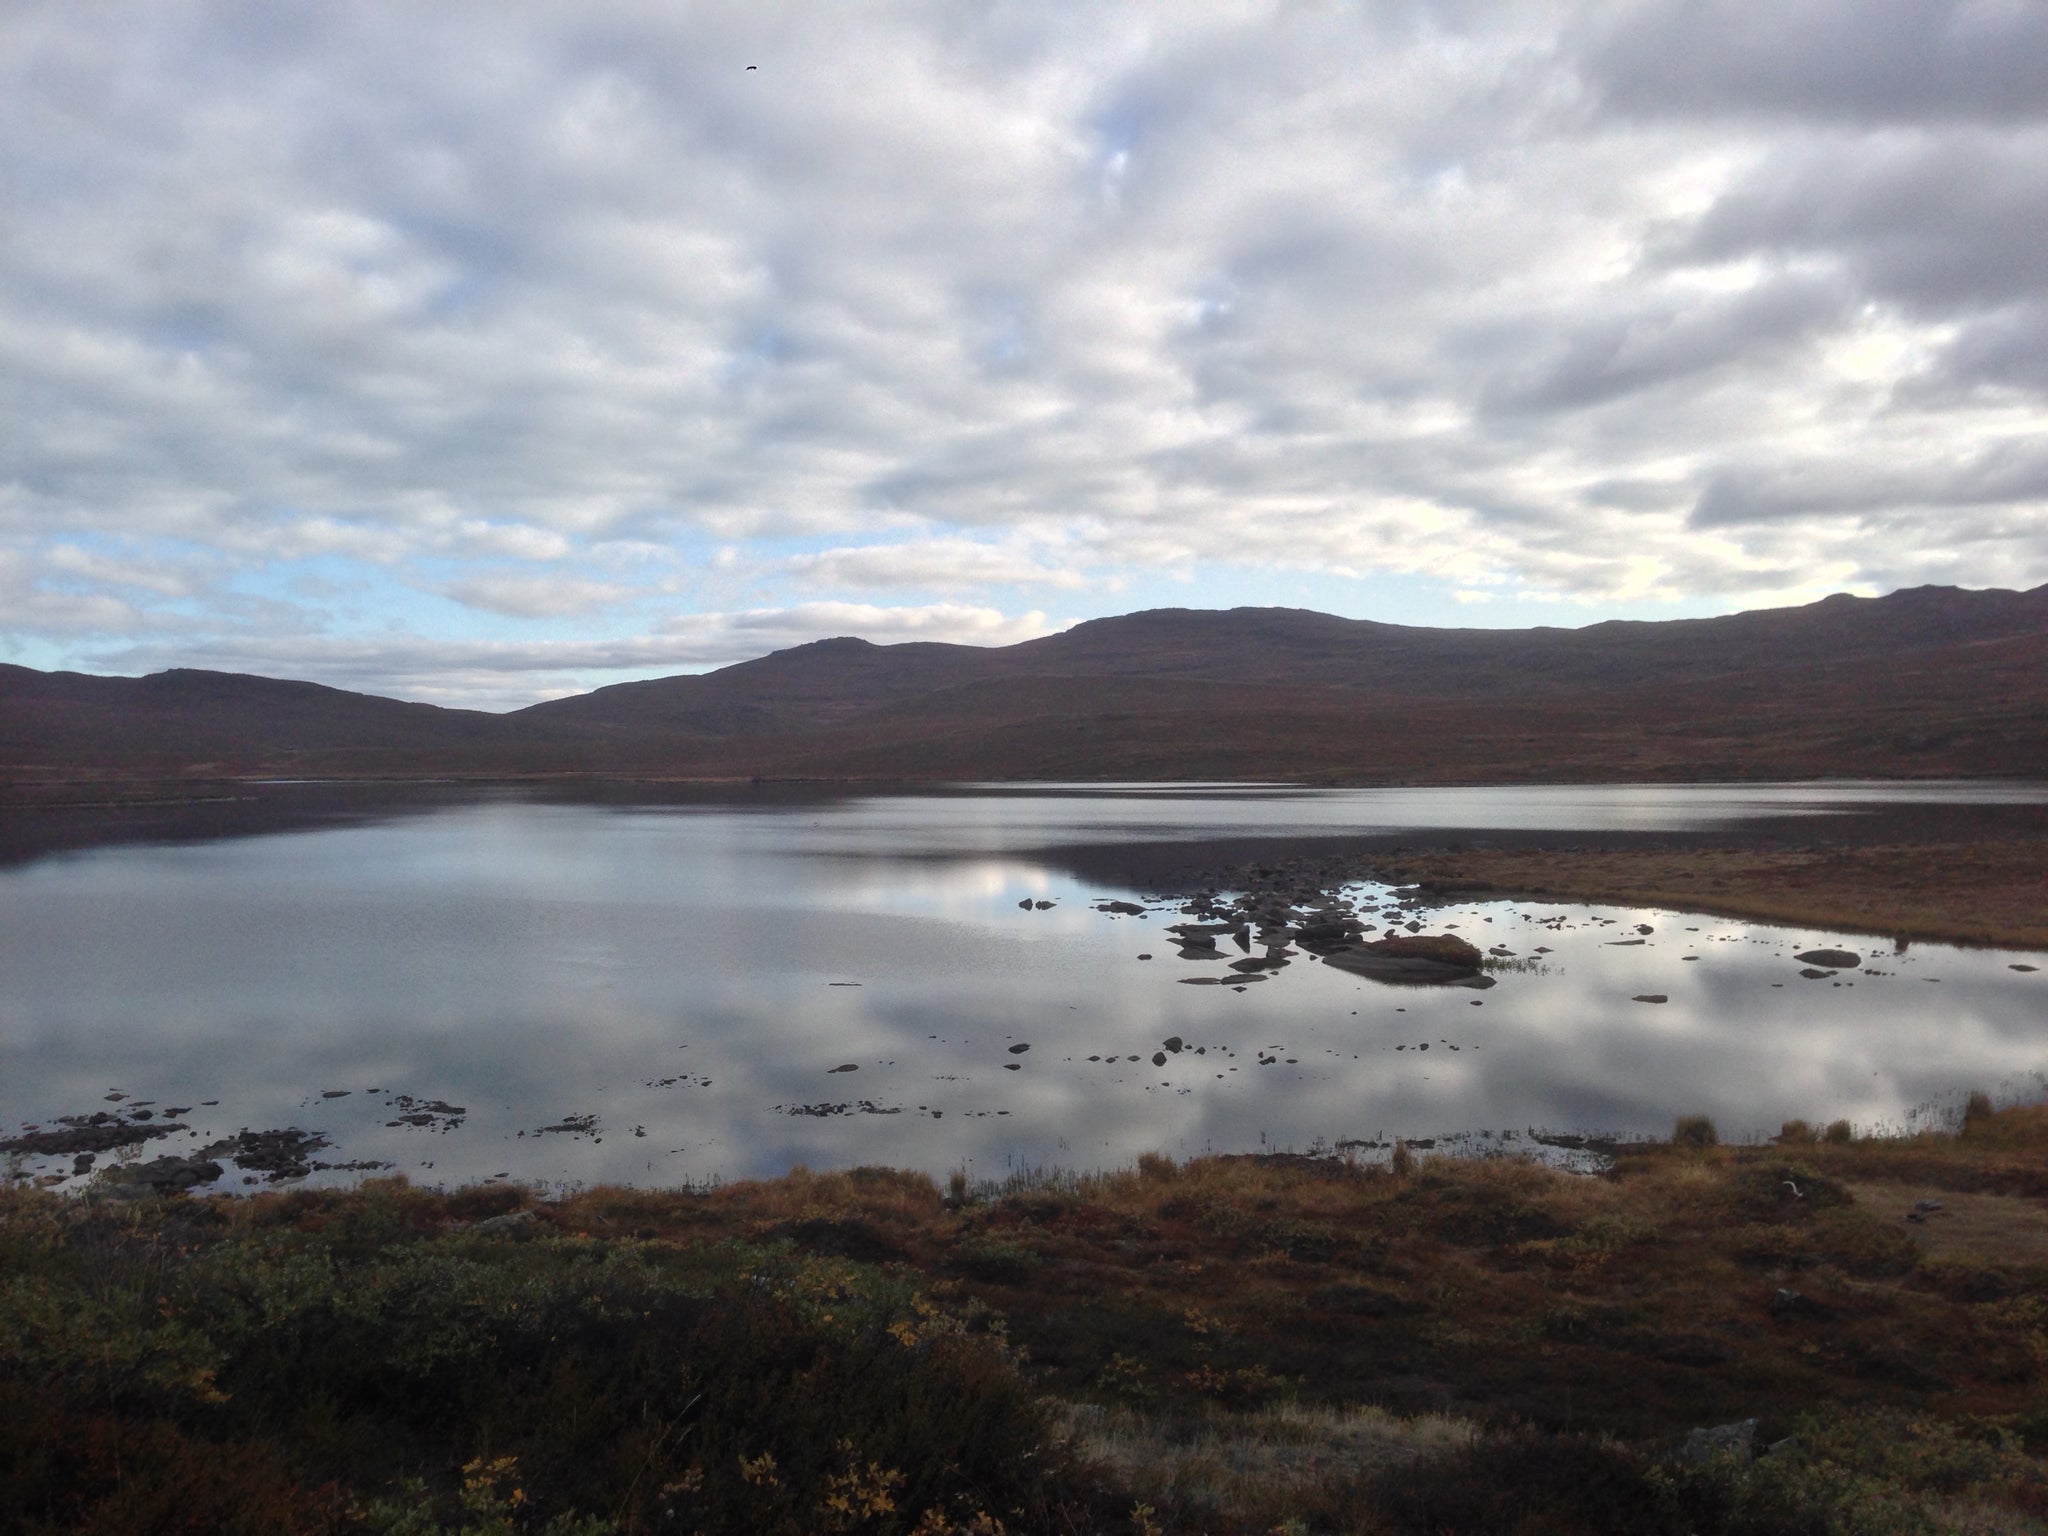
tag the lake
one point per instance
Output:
(467, 984)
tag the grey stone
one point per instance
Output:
(1737, 1440)
(166, 1176)
(511, 1221)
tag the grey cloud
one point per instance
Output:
(2006, 349)
(162, 579)
(31, 605)
(536, 597)
(2011, 474)
(1664, 336)
(469, 297)
(1864, 61)
(1939, 225)
(937, 564)
(1639, 495)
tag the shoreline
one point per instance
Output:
(1973, 875)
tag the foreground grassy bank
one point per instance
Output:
(1228, 1345)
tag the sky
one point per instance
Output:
(485, 351)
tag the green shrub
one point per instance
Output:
(1778, 1189)
(996, 1260)
(1865, 1246)
(621, 1379)
(1527, 1481)
(1478, 1212)
(1977, 1112)
(1694, 1131)
(1156, 1167)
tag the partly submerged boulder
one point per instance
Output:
(163, 1176)
(1443, 948)
(1422, 959)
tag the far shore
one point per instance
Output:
(1950, 874)
(1967, 873)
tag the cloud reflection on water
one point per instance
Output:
(529, 962)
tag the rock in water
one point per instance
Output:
(166, 1176)
(1420, 958)
(1833, 959)
(1443, 948)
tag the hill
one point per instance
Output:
(1930, 681)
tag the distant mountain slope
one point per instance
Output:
(831, 681)
(1926, 681)
(187, 721)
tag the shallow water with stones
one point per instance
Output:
(503, 986)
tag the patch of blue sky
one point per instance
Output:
(1116, 132)
(748, 361)
(338, 593)
(43, 652)
(187, 330)
(463, 297)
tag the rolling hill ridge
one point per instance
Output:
(1928, 681)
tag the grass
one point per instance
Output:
(1231, 1344)
(1262, 1469)
(1984, 892)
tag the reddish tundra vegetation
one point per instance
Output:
(1823, 1334)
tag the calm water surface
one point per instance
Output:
(665, 993)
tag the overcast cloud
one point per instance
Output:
(483, 351)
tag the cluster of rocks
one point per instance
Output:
(828, 1111)
(585, 1126)
(86, 1136)
(285, 1154)
(425, 1114)
(274, 1156)
(1282, 923)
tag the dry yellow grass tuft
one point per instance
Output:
(1254, 1471)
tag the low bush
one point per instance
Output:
(1782, 1190)
(724, 1388)
(1694, 1131)
(1977, 1111)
